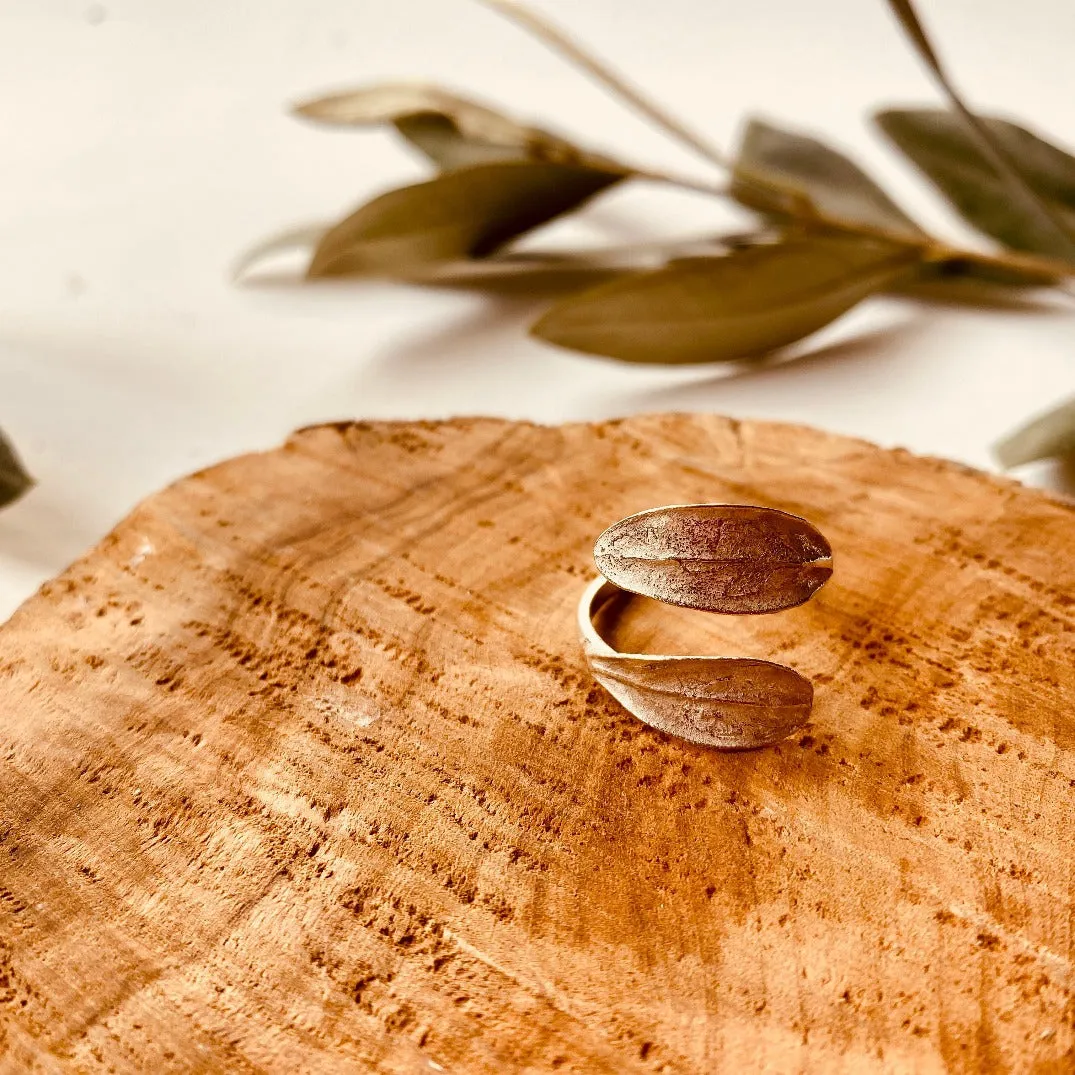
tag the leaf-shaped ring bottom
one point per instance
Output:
(733, 703)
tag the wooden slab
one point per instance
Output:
(303, 771)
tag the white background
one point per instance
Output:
(145, 145)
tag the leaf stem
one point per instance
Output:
(698, 186)
(1020, 189)
(560, 42)
(796, 204)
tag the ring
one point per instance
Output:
(725, 558)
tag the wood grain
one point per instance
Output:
(303, 772)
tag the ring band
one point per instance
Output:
(721, 558)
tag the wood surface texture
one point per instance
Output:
(303, 771)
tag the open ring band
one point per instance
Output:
(723, 558)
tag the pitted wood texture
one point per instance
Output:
(303, 771)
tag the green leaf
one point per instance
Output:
(938, 142)
(461, 214)
(14, 481)
(452, 131)
(834, 185)
(1049, 436)
(743, 305)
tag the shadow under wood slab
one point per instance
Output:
(303, 771)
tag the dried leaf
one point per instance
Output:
(965, 291)
(460, 214)
(388, 102)
(1051, 435)
(447, 147)
(527, 273)
(716, 557)
(731, 703)
(972, 279)
(537, 269)
(742, 305)
(1007, 271)
(938, 143)
(14, 481)
(528, 270)
(450, 130)
(834, 185)
(301, 237)
(1038, 214)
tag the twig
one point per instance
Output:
(987, 142)
(560, 42)
(654, 175)
(795, 202)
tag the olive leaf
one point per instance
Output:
(538, 270)
(1007, 271)
(441, 140)
(452, 131)
(529, 270)
(972, 279)
(730, 702)
(937, 142)
(745, 304)
(14, 481)
(718, 557)
(300, 237)
(834, 184)
(527, 273)
(838, 188)
(461, 214)
(1051, 435)
(1036, 212)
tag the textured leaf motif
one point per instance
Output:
(458, 215)
(727, 702)
(1050, 436)
(717, 557)
(834, 185)
(748, 303)
(937, 141)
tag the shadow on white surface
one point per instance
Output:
(42, 530)
(461, 341)
(1055, 475)
(866, 353)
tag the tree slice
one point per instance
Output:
(303, 771)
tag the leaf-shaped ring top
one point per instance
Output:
(726, 558)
